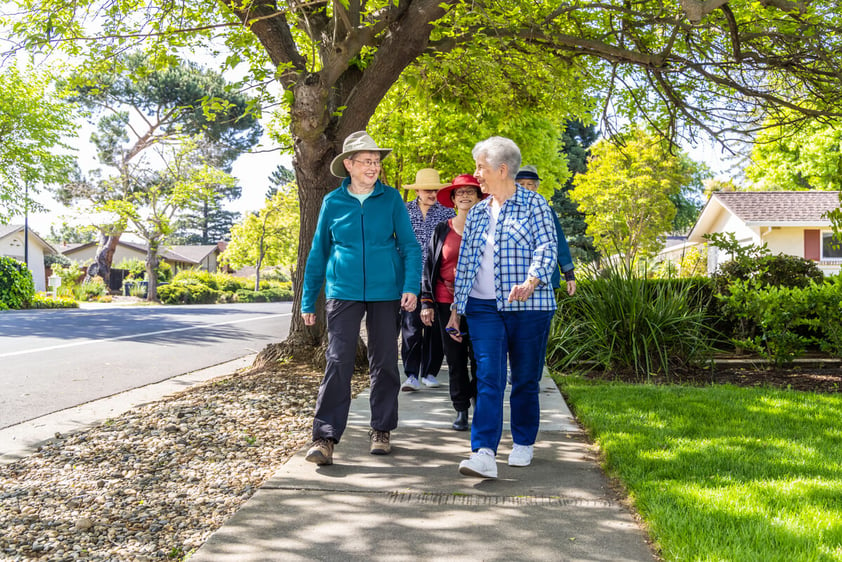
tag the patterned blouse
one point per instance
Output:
(424, 226)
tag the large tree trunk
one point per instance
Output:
(327, 106)
(103, 258)
(312, 166)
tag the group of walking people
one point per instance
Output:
(484, 253)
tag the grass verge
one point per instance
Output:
(722, 472)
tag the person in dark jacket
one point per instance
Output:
(437, 283)
(365, 254)
(527, 176)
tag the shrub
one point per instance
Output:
(164, 272)
(188, 291)
(195, 275)
(90, 290)
(16, 285)
(174, 294)
(135, 267)
(824, 314)
(245, 295)
(769, 317)
(753, 262)
(274, 274)
(43, 301)
(231, 284)
(622, 321)
(60, 259)
(69, 276)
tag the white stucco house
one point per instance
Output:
(788, 222)
(12, 240)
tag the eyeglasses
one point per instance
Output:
(368, 163)
(465, 191)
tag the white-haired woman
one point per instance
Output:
(506, 262)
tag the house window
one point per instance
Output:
(831, 246)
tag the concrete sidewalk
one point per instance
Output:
(413, 504)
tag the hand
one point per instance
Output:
(427, 316)
(571, 287)
(409, 301)
(309, 318)
(523, 291)
(452, 328)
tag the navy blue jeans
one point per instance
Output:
(520, 338)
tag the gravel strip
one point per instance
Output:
(154, 483)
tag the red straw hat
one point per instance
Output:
(465, 180)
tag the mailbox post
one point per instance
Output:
(54, 282)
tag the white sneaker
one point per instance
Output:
(411, 384)
(481, 463)
(521, 455)
(430, 382)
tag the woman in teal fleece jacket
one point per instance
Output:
(360, 251)
(365, 253)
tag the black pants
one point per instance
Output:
(420, 346)
(460, 355)
(343, 329)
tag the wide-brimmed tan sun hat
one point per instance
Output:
(356, 142)
(426, 178)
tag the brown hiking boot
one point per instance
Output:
(321, 452)
(379, 442)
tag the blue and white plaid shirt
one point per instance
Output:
(424, 226)
(525, 245)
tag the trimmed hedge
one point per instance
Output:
(201, 287)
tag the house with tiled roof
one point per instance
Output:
(788, 222)
(178, 257)
(13, 243)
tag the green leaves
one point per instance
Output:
(34, 129)
(16, 285)
(627, 193)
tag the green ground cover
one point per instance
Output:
(722, 472)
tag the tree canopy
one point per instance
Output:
(715, 66)
(628, 193)
(35, 129)
(808, 157)
(140, 104)
(268, 237)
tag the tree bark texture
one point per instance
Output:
(104, 256)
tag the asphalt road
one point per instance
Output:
(56, 359)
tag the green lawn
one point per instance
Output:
(723, 473)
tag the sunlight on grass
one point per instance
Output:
(723, 473)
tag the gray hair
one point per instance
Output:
(499, 151)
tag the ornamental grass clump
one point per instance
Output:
(620, 321)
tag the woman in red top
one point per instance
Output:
(437, 281)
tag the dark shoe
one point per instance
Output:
(379, 442)
(321, 452)
(461, 423)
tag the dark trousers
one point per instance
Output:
(343, 329)
(420, 345)
(460, 356)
